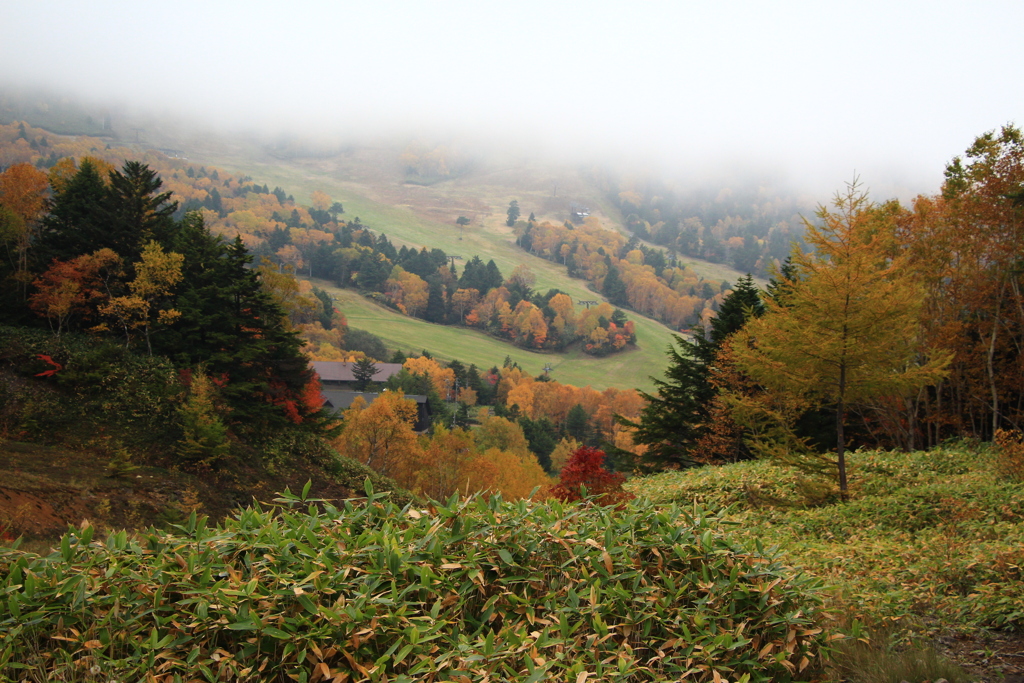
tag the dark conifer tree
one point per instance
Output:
(577, 424)
(678, 415)
(75, 224)
(542, 437)
(230, 324)
(363, 371)
(137, 211)
(493, 277)
(614, 288)
(436, 310)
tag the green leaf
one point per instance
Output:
(248, 625)
(275, 632)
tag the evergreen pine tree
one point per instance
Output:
(436, 309)
(614, 288)
(678, 415)
(75, 224)
(232, 325)
(363, 371)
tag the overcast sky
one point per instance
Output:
(817, 89)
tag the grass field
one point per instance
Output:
(629, 369)
(931, 543)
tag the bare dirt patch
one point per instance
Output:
(992, 657)
(34, 515)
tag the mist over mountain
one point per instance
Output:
(802, 93)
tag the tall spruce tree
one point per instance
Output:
(77, 219)
(678, 415)
(230, 324)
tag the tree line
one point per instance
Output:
(626, 272)
(901, 328)
(749, 227)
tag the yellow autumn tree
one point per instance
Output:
(321, 201)
(497, 432)
(443, 379)
(156, 274)
(23, 190)
(442, 468)
(847, 328)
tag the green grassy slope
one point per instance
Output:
(371, 186)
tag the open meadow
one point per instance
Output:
(371, 185)
(627, 369)
(929, 550)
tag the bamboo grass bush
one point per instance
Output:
(470, 590)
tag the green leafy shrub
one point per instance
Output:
(474, 590)
(101, 381)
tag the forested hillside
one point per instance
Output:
(111, 265)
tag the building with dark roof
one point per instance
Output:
(338, 375)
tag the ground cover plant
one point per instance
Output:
(471, 590)
(930, 542)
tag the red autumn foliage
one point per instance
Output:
(585, 469)
(312, 396)
(298, 405)
(57, 367)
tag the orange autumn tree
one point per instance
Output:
(967, 245)
(442, 464)
(407, 291)
(442, 379)
(74, 289)
(380, 435)
(513, 475)
(23, 191)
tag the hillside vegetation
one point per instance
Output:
(931, 542)
(372, 187)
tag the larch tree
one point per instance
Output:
(23, 193)
(849, 328)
